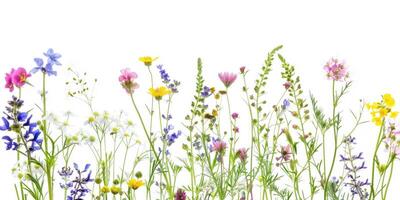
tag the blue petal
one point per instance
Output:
(22, 116)
(38, 61)
(86, 167)
(6, 125)
(76, 166)
(36, 69)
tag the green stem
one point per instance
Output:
(378, 142)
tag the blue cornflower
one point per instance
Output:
(78, 186)
(48, 67)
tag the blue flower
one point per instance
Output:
(52, 57)
(10, 144)
(172, 85)
(206, 92)
(32, 138)
(48, 67)
(285, 104)
(6, 126)
(77, 186)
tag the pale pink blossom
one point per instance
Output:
(336, 70)
(227, 78)
(127, 80)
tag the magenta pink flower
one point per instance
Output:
(227, 78)
(218, 146)
(9, 83)
(336, 70)
(16, 78)
(235, 115)
(242, 69)
(242, 154)
(127, 80)
(19, 77)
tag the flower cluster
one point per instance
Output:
(392, 139)
(357, 186)
(380, 110)
(171, 136)
(52, 59)
(77, 186)
(127, 80)
(171, 84)
(20, 123)
(336, 70)
(17, 77)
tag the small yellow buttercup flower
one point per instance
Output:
(135, 183)
(388, 100)
(105, 189)
(115, 189)
(159, 92)
(147, 60)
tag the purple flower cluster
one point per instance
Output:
(171, 136)
(171, 84)
(353, 167)
(20, 122)
(78, 186)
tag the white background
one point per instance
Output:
(102, 37)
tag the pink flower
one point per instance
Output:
(16, 78)
(9, 83)
(227, 78)
(19, 77)
(242, 154)
(218, 146)
(336, 70)
(285, 152)
(242, 69)
(235, 115)
(127, 80)
(287, 85)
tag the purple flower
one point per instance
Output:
(77, 186)
(235, 115)
(285, 154)
(336, 70)
(172, 85)
(180, 195)
(52, 59)
(242, 154)
(285, 104)
(227, 78)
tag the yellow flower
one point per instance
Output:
(214, 113)
(105, 189)
(159, 92)
(393, 114)
(147, 60)
(135, 183)
(388, 100)
(115, 189)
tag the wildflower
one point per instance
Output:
(16, 78)
(285, 104)
(9, 83)
(392, 140)
(336, 70)
(105, 189)
(115, 190)
(180, 194)
(218, 146)
(171, 137)
(357, 187)
(380, 110)
(127, 80)
(159, 92)
(77, 186)
(147, 60)
(227, 78)
(135, 183)
(242, 154)
(285, 154)
(287, 85)
(242, 69)
(52, 59)
(18, 122)
(172, 85)
(235, 115)
(206, 92)
(235, 129)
